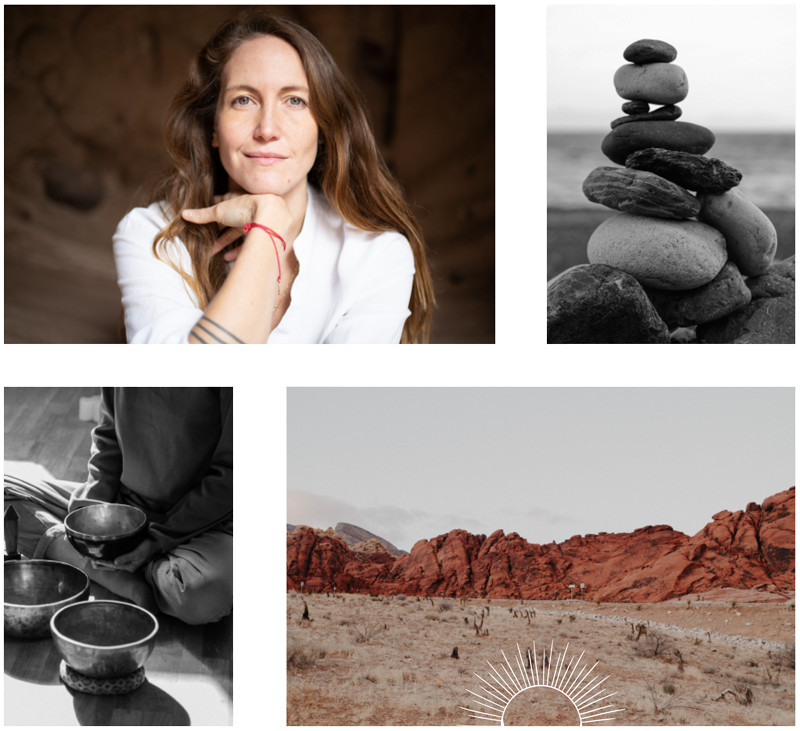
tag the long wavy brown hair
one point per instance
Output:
(349, 169)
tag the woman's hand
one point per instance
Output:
(234, 210)
(133, 560)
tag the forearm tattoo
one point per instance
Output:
(214, 331)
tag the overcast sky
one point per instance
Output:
(739, 60)
(548, 463)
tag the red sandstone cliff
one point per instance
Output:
(746, 549)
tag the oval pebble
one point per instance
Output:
(636, 107)
(724, 294)
(671, 255)
(649, 51)
(640, 192)
(752, 239)
(662, 114)
(635, 136)
(657, 83)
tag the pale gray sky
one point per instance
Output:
(739, 60)
(548, 463)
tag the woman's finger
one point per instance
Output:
(228, 237)
(233, 255)
(200, 215)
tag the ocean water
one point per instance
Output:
(766, 162)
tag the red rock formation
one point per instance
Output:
(739, 550)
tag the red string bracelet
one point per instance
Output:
(272, 235)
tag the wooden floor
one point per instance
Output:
(42, 426)
(189, 674)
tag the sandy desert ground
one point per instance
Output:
(361, 660)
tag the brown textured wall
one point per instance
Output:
(86, 91)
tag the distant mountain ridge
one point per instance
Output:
(746, 549)
(352, 535)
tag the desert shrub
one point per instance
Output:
(559, 620)
(785, 655)
(434, 617)
(346, 622)
(571, 617)
(745, 693)
(669, 688)
(445, 606)
(300, 657)
(654, 644)
(409, 677)
(367, 632)
(733, 603)
(698, 641)
(709, 669)
(401, 597)
(638, 607)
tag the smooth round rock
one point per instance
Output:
(763, 321)
(751, 236)
(662, 114)
(672, 255)
(693, 172)
(681, 136)
(724, 294)
(656, 83)
(635, 107)
(592, 303)
(649, 51)
(639, 192)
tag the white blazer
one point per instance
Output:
(353, 286)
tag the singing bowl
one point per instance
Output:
(106, 530)
(33, 591)
(104, 639)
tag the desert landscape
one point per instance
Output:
(361, 660)
(692, 630)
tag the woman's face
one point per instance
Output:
(266, 134)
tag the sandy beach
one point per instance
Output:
(568, 232)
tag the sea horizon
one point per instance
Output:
(765, 159)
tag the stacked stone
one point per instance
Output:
(651, 266)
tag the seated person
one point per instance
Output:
(169, 452)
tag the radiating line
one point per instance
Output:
(580, 687)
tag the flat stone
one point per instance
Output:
(751, 236)
(693, 172)
(649, 51)
(656, 83)
(592, 303)
(639, 192)
(635, 107)
(767, 320)
(668, 113)
(777, 281)
(672, 255)
(724, 294)
(681, 136)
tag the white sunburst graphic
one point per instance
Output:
(581, 689)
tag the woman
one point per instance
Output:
(269, 142)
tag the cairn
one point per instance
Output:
(657, 275)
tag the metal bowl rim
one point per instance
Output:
(114, 537)
(51, 604)
(76, 643)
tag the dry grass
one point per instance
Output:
(402, 673)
